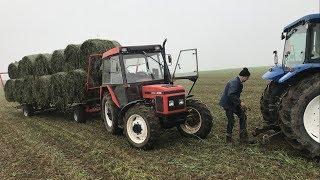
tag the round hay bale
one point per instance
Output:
(94, 46)
(13, 70)
(42, 65)
(73, 57)
(77, 85)
(116, 43)
(61, 93)
(26, 65)
(9, 89)
(28, 90)
(42, 90)
(57, 61)
(18, 90)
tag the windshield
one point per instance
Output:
(143, 67)
(294, 49)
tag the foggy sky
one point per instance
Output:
(227, 33)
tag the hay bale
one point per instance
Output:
(73, 57)
(42, 90)
(13, 70)
(116, 43)
(42, 65)
(26, 65)
(77, 85)
(61, 94)
(9, 89)
(27, 90)
(18, 90)
(57, 61)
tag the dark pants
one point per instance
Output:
(242, 120)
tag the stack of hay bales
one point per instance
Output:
(56, 79)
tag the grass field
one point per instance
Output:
(52, 146)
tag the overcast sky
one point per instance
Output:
(227, 33)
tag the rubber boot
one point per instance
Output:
(244, 138)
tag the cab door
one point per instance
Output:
(186, 70)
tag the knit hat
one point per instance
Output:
(244, 72)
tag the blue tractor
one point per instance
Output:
(290, 104)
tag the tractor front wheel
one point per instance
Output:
(109, 115)
(141, 126)
(79, 114)
(199, 120)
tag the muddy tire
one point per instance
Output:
(27, 110)
(141, 126)
(299, 115)
(109, 112)
(269, 102)
(79, 114)
(199, 121)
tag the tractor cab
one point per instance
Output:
(301, 50)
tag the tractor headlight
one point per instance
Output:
(171, 103)
(181, 101)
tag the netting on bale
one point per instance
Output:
(42, 90)
(77, 85)
(18, 90)
(42, 65)
(60, 92)
(13, 70)
(26, 65)
(58, 60)
(27, 90)
(73, 57)
(9, 90)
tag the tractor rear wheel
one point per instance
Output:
(141, 126)
(109, 114)
(199, 120)
(300, 115)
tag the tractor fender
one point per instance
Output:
(274, 73)
(297, 69)
(126, 107)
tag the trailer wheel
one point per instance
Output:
(141, 126)
(300, 115)
(79, 114)
(109, 115)
(199, 121)
(27, 110)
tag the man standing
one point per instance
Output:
(231, 103)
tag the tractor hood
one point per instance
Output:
(150, 91)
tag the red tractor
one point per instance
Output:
(138, 96)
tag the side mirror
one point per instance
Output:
(276, 60)
(282, 36)
(169, 59)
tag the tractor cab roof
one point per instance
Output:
(312, 18)
(132, 50)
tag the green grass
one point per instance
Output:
(52, 146)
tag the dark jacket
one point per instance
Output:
(231, 96)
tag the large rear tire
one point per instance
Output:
(299, 115)
(199, 120)
(110, 114)
(141, 126)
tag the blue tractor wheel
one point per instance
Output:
(300, 115)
